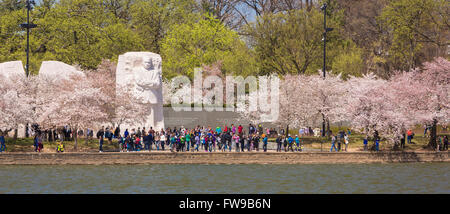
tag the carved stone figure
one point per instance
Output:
(143, 71)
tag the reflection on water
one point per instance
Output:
(153, 179)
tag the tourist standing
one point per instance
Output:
(250, 142)
(162, 139)
(188, 141)
(256, 140)
(146, 140)
(197, 142)
(297, 142)
(138, 143)
(121, 142)
(333, 143)
(291, 141)
(445, 143)
(377, 144)
(365, 142)
(439, 144)
(2, 142)
(278, 141)
(242, 139)
(36, 142)
(236, 140)
(138, 133)
(40, 144)
(346, 140)
(410, 133)
(100, 136)
(157, 140)
(265, 143)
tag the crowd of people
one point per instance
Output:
(208, 139)
(342, 139)
(232, 138)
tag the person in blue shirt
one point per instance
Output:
(265, 143)
(290, 141)
(365, 143)
(36, 142)
(297, 141)
(2, 142)
(377, 144)
(125, 135)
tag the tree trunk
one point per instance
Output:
(323, 126)
(15, 134)
(328, 127)
(287, 130)
(26, 131)
(433, 135)
(75, 137)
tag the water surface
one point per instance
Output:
(155, 179)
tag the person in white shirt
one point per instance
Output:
(346, 141)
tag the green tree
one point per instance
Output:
(292, 42)
(153, 19)
(84, 32)
(349, 63)
(11, 5)
(200, 43)
(418, 30)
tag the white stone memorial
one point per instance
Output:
(143, 70)
(58, 70)
(9, 69)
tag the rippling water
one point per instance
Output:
(154, 179)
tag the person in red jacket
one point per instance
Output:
(240, 129)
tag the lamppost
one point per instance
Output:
(28, 26)
(324, 9)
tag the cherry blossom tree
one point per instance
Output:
(16, 107)
(74, 101)
(304, 98)
(123, 106)
(373, 106)
(423, 94)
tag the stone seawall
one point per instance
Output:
(220, 158)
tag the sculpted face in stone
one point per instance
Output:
(144, 70)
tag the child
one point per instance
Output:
(60, 147)
(236, 140)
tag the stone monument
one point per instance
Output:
(8, 69)
(143, 71)
(58, 70)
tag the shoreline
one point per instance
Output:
(118, 158)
